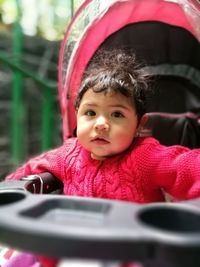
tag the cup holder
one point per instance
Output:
(174, 219)
(9, 197)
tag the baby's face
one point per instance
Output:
(106, 123)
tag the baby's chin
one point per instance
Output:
(98, 157)
(102, 157)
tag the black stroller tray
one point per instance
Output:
(89, 228)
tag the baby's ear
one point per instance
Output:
(144, 120)
(142, 131)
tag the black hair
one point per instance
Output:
(116, 71)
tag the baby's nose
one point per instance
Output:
(102, 124)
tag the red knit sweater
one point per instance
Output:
(138, 174)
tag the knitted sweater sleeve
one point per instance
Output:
(52, 161)
(176, 169)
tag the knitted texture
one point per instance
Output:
(139, 174)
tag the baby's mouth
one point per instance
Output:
(100, 141)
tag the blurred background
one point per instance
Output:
(30, 35)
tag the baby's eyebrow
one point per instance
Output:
(120, 106)
(90, 104)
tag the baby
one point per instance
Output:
(108, 158)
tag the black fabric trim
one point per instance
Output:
(172, 54)
(184, 71)
(174, 94)
(156, 43)
(169, 129)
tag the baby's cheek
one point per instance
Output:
(126, 139)
(82, 135)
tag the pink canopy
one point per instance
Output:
(95, 21)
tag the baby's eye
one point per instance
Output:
(90, 113)
(117, 114)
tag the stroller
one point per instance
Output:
(165, 36)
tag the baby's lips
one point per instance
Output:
(100, 139)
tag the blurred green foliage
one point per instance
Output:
(44, 18)
(30, 34)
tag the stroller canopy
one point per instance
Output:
(165, 35)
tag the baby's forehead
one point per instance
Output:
(109, 95)
(108, 92)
